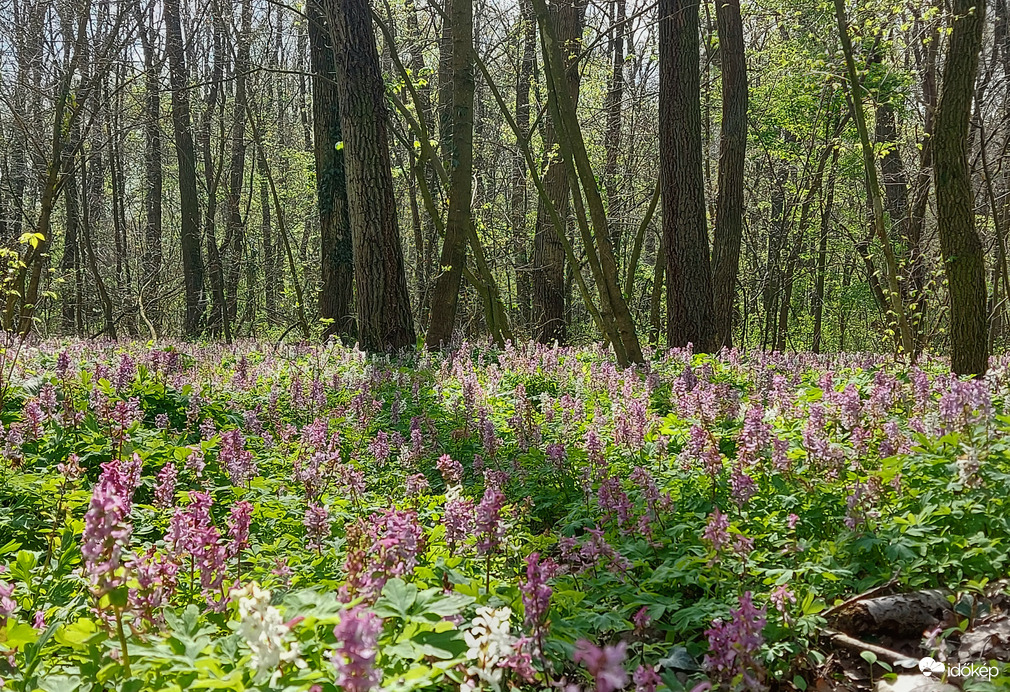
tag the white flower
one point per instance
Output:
(489, 641)
(263, 629)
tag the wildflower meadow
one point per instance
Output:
(261, 517)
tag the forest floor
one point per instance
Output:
(309, 518)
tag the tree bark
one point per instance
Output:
(963, 256)
(895, 301)
(520, 199)
(150, 288)
(445, 296)
(689, 296)
(384, 319)
(548, 270)
(732, 157)
(192, 259)
(337, 257)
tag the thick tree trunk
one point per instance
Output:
(689, 308)
(960, 244)
(548, 270)
(732, 156)
(384, 319)
(192, 259)
(337, 291)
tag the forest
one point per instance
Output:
(557, 345)
(801, 176)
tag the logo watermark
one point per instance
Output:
(931, 668)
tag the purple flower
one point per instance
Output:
(537, 594)
(39, 622)
(317, 526)
(451, 470)
(236, 458)
(164, 489)
(7, 604)
(458, 521)
(646, 679)
(641, 620)
(156, 581)
(733, 645)
(606, 664)
(239, 519)
(489, 527)
(357, 636)
(716, 530)
(779, 595)
(417, 485)
(107, 527)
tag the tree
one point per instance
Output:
(384, 319)
(192, 259)
(963, 256)
(548, 271)
(689, 298)
(732, 157)
(445, 296)
(336, 252)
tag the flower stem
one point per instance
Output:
(122, 642)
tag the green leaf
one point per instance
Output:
(868, 656)
(19, 634)
(396, 600)
(76, 633)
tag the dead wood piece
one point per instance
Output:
(905, 615)
(883, 654)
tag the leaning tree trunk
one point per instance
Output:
(732, 156)
(689, 299)
(337, 258)
(192, 260)
(384, 319)
(963, 255)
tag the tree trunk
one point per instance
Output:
(445, 296)
(822, 258)
(732, 156)
(235, 235)
(960, 244)
(520, 199)
(384, 319)
(192, 259)
(612, 138)
(337, 272)
(855, 88)
(150, 288)
(548, 270)
(689, 309)
(599, 250)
